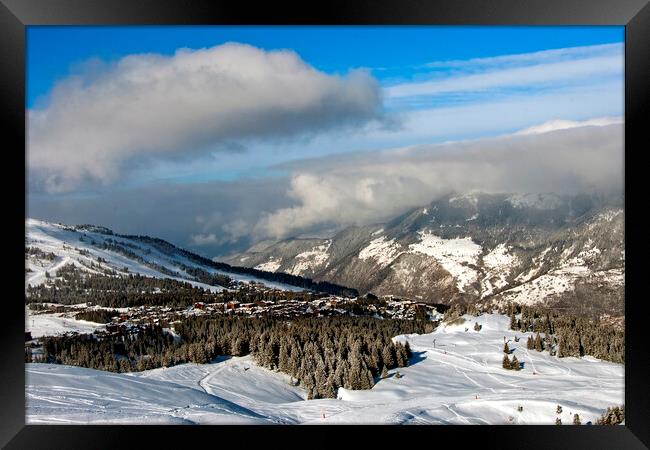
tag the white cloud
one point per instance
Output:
(554, 125)
(531, 70)
(154, 105)
(204, 239)
(375, 186)
(552, 55)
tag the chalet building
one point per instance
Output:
(199, 305)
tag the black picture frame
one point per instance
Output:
(15, 15)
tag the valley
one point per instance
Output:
(87, 285)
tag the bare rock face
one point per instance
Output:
(549, 249)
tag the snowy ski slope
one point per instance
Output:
(65, 244)
(457, 380)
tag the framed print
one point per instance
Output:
(250, 219)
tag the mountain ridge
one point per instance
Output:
(50, 247)
(529, 248)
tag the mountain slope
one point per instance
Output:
(67, 394)
(455, 377)
(534, 248)
(50, 247)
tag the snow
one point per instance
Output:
(238, 380)
(571, 269)
(561, 280)
(270, 266)
(498, 263)
(453, 254)
(56, 323)
(383, 250)
(459, 380)
(499, 258)
(610, 215)
(578, 263)
(545, 286)
(65, 394)
(612, 277)
(312, 259)
(538, 260)
(537, 201)
(50, 237)
(470, 198)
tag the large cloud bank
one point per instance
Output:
(363, 188)
(173, 106)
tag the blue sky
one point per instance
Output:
(124, 109)
(394, 53)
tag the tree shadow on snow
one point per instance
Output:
(220, 358)
(416, 357)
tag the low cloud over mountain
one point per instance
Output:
(368, 187)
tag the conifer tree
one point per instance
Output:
(356, 374)
(284, 360)
(514, 364)
(506, 349)
(407, 347)
(340, 374)
(237, 347)
(125, 366)
(328, 390)
(388, 356)
(400, 355)
(506, 362)
(369, 381)
(613, 416)
(375, 355)
(321, 376)
(576, 419)
(384, 372)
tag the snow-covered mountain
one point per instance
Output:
(527, 248)
(95, 249)
(454, 377)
